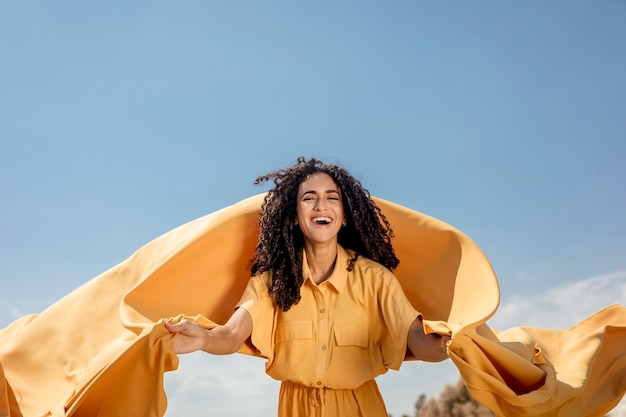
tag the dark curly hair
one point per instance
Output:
(367, 231)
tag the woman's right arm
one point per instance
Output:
(220, 340)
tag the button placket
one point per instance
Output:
(322, 335)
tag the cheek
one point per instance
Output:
(299, 213)
(341, 213)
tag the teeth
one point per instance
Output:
(324, 220)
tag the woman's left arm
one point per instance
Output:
(426, 347)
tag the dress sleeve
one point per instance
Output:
(398, 314)
(256, 301)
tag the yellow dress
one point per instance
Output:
(329, 347)
(103, 349)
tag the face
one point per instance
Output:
(319, 209)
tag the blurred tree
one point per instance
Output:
(454, 401)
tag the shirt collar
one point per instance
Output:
(339, 276)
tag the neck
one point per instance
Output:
(321, 261)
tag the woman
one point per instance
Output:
(322, 305)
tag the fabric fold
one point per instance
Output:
(524, 371)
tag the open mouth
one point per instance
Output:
(322, 220)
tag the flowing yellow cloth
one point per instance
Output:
(102, 350)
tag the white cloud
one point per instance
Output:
(16, 313)
(562, 306)
(620, 410)
(9, 314)
(220, 385)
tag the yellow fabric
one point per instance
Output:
(102, 350)
(545, 372)
(342, 334)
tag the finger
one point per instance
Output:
(444, 341)
(170, 327)
(176, 327)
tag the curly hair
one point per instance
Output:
(367, 231)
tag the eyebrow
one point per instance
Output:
(315, 192)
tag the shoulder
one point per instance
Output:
(366, 264)
(255, 298)
(366, 267)
(262, 278)
(258, 285)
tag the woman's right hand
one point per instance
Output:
(221, 340)
(190, 336)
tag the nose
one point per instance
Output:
(320, 204)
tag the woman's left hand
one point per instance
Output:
(430, 347)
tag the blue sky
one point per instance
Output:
(122, 120)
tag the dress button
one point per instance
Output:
(319, 383)
(322, 310)
(323, 347)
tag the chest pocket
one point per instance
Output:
(294, 330)
(351, 336)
